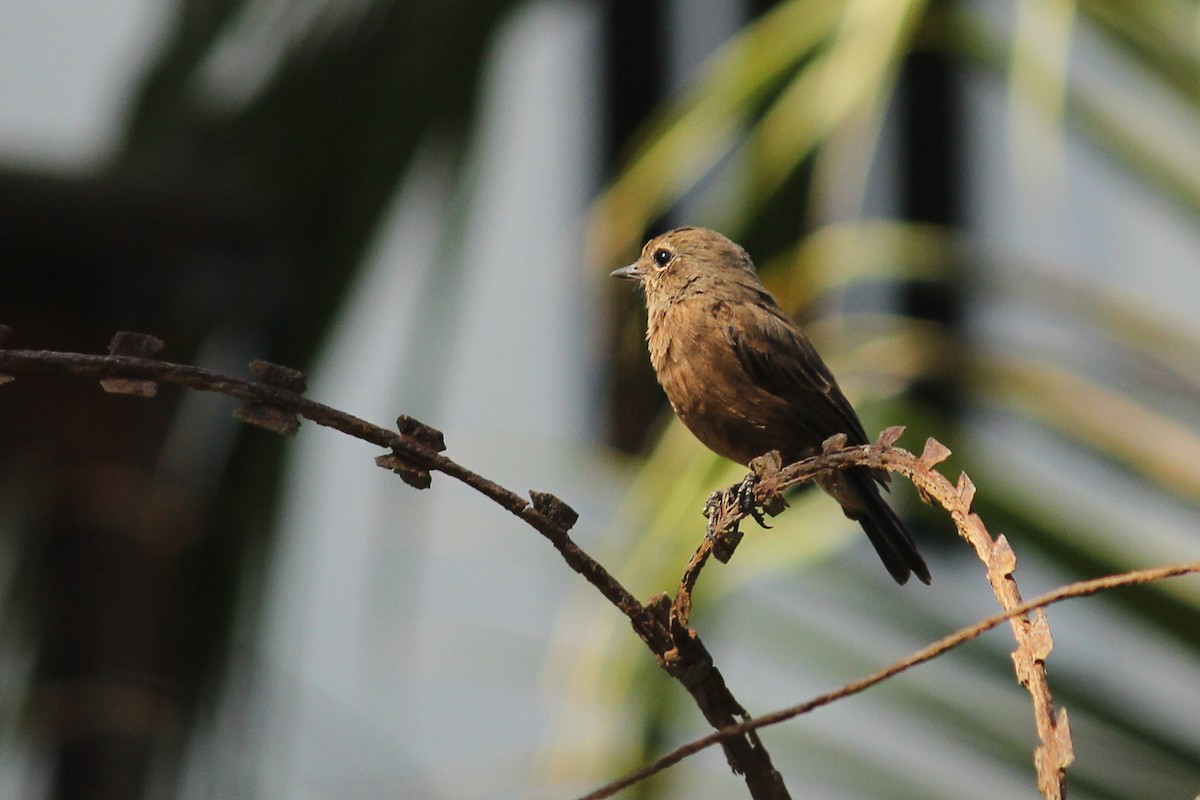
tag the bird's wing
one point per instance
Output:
(779, 359)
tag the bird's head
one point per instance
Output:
(687, 261)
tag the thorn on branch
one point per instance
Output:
(1003, 560)
(833, 444)
(267, 416)
(1059, 752)
(767, 494)
(934, 453)
(279, 376)
(1052, 758)
(133, 345)
(422, 433)
(889, 436)
(966, 490)
(1040, 642)
(556, 510)
(726, 543)
(410, 472)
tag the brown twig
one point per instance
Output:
(1054, 753)
(928, 653)
(409, 446)
(273, 402)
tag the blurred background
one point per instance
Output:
(985, 214)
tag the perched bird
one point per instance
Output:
(744, 378)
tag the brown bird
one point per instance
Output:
(744, 378)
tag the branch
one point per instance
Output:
(769, 479)
(928, 653)
(412, 444)
(275, 400)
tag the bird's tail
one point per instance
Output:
(885, 530)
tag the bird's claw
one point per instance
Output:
(743, 495)
(712, 509)
(744, 492)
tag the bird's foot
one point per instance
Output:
(713, 504)
(712, 511)
(747, 502)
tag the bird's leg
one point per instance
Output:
(713, 504)
(744, 492)
(712, 509)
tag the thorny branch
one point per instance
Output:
(410, 446)
(1032, 632)
(275, 400)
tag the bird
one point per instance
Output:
(743, 377)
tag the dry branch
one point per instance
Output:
(769, 479)
(413, 445)
(275, 401)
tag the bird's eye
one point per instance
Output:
(662, 256)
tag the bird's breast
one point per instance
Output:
(705, 383)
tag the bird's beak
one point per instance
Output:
(629, 272)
